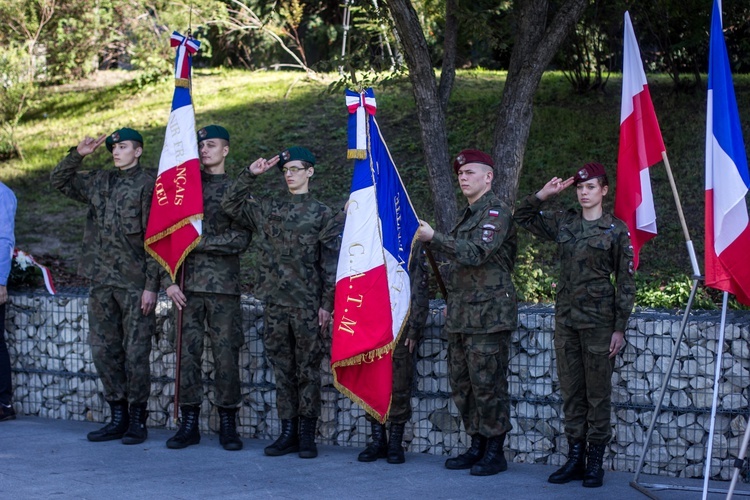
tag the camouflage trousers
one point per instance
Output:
(478, 371)
(220, 317)
(585, 372)
(295, 349)
(120, 338)
(403, 378)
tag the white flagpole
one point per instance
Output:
(717, 373)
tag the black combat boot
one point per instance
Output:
(473, 455)
(228, 436)
(594, 475)
(189, 432)
(307, 428)
(493, 460)
(137, 432)
(288, 441)
(574, 468)
(378, 448)
(117, 425)
(395, 444)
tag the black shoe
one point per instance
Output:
(378, 448)
(7, 412)
(594, 475)
(574, 468)
(493, 461)
(228, 436)
(117, 425)
(189, 433)
(307, 428)
(137, 432)
(395, 444)
(473, 455)
(288, 441)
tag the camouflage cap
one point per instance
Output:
(472, 156)
(589, 171)
(213, 132)
(295, 153)
(123, 134)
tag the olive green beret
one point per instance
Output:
(213, 132)
(124, 134)
(296, 153)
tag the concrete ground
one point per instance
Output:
(44, 458)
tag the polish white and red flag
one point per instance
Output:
(727, 180)
(641, 146)
(373, 287)
(175, 221)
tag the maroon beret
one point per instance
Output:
(589, 171)
(472, 156)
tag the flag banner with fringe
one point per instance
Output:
(727, 179)
(175, 221)
(373, 287)
(641, 146)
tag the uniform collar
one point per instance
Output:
(206, 177)
(296, 198)
(482, 202)
(129, 172)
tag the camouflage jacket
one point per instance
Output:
(214, 265)
(118, 206)
(481, 248)
(419, 268)
(300, 239)
(589, 256)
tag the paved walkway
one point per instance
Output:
(52, 459)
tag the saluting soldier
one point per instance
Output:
(210, 302)
(124, 278)
(482, 312)
(590, 313)
(300, 239)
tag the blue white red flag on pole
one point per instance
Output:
(727, 179)
(641, 146)
(373, 287)
(175, 221)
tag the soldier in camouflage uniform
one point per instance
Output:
(482, 312)
(210, 302)
(391, 447)
(124, 279)
(590, 313)
(300, 236)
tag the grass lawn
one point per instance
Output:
(266, 112)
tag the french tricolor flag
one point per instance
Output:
(641, 146)
(373, 287)
(175, 221)
(727, 180)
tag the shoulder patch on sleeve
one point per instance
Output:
(494, 213)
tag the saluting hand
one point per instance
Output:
(554, 187)
(261, 165)
(89, 145)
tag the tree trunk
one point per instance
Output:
(430, 111)
(534, 47)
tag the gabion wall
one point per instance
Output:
(54, 377)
